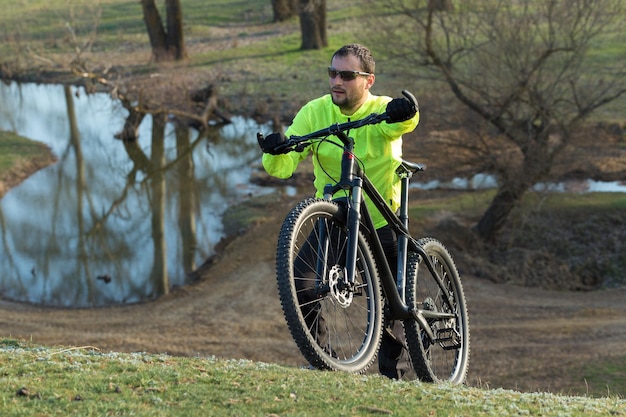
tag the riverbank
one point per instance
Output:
(19, 159)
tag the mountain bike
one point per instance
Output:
(338, 291)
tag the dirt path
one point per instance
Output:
(522, 338)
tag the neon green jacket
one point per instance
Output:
(378, 147)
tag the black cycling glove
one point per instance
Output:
(402, 109)
(274, 143)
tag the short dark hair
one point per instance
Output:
(361, 52)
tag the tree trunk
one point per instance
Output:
(440, 6)
(156, 32)
(536, 165)
(175, 38)
(284, 9)
(159, 275)
(499, 210)
(313, 24)
(187, 200)
(170, 45)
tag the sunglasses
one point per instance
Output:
(345, 75)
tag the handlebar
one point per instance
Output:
(298, 143)
(372, 119)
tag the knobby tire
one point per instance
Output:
(431, 360)
(335, 328)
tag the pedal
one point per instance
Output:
(448, 339)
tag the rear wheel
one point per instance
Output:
(446, 357)
(336, 326)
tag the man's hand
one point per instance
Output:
(273, 144)
(402, 109)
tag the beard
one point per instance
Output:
(345, 101)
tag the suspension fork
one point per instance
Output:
(350, 181)
(354, 221)
(351, 214)
(323, 244)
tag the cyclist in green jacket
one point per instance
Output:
(377, 147)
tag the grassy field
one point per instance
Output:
(233, 44)
(20, 157)
(82, 381)
(15, 149)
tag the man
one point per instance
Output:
(378, 147)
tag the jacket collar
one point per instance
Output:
(361, 112)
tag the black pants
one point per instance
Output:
(393, 358)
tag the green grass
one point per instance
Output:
(474, 203)
(44, 24)
(82, 381)
(605, 373)
(234, 42)
(14, 149)
(576, 201)
(470, 204)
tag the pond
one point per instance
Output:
(114, 222)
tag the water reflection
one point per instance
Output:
(113, 222)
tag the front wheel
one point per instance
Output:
(336, 324)
(446, 356)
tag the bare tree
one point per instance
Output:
(312, 15)
(167, 42)
(523, 67)
(313, 24)
(440, 5)
(284, 9)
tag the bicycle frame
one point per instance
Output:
(354, 180)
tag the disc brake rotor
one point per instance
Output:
(338, 289)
